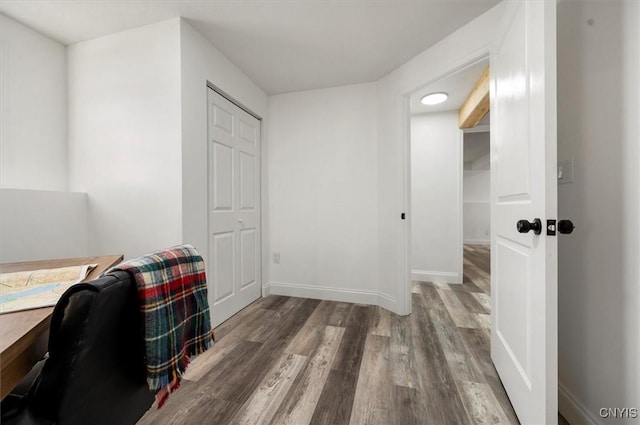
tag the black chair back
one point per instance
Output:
(95, 373)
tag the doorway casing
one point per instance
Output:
(404, 272)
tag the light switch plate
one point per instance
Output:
(565, 171)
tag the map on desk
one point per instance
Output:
(38, 288)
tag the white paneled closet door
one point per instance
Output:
(234, 208)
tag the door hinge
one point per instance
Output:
(551, 227)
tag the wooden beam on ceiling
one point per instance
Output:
(477, 104)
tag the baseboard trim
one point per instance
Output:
(436, 277)
(331, 294)
(477, 242)
(573, 410)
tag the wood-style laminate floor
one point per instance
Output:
(307, 362)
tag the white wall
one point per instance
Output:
(323, 193)
(469, 42)
(125, 137)
(476, 209)
(33, 109)
(201, 62)
(476, 192)
(436, 198)
(599, 264)
(41, 225)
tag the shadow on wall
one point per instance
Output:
(598, 263)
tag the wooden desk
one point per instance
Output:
(19, 331)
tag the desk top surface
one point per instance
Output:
(21, 328)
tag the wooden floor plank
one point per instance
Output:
(484, 300)
(477, 342)
(479, 277)
(460, 361)
(481, 259)
(349, 354)
(500, 394)
(281, 334)
(456, 310)
(227, 338)
(189, 405)
(274, 302)
(471, 303)
(381, 322)
(232, 379)
(239, 321)
(372, 403)
(299, 406)
(241, 385)
(219, 412)
(469, 286)
(206, 361)
(271, 321)
(265, 401)
(336, 399)
(481, 404)
(341, 314)
(308, 338)
(410, 409)
(420, 370)
(443, 401)
(401, 349)
(432, 299)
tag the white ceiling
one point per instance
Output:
(457, 86)
(282, 46)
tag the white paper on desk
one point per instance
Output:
(38, 288)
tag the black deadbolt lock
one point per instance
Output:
(525, 226)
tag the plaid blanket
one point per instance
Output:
(172, 290)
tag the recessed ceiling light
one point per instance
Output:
(434, 98)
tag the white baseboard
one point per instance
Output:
(573, 410)
(477, 241)
(436, 277)
(331, 294)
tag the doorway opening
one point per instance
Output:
(450, 184)
(450, 247)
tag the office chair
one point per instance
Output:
(95, 371)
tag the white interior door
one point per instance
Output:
(524, 186)
(234, 208)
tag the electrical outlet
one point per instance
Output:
(276, 257)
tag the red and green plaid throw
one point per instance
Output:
(172, 291)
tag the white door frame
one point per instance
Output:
(264, 242)
(404, 277)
